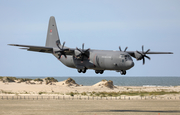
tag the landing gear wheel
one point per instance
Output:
(96, 71)
(84, 70)
(79, 70)
(123, 72)
(101, 72)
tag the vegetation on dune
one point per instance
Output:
(23, 79)
(70, 81)
(8, 79)
(109, 84)
(1, 78)
(13, 79)
(19, 80)
(116, 94)
(51, 79)
(104, 80)
(38, 79)
(6, 92)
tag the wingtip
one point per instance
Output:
(11, 44)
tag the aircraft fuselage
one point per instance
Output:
(100, 60)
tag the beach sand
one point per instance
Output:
(63, 89)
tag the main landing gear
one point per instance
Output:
(99, 71)
(82, 70)
(123, 72)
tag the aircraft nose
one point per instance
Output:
(129, 64)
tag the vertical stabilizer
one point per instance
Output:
(52, 33)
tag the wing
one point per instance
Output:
(42, 49)
(35, 48)
(132, 53)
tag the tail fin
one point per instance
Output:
(52, 33)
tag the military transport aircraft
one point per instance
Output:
(83, 59)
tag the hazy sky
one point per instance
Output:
(100, 24)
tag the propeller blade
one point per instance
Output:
(79, 55)
(143, 61)
(147, 51)
(139, 52)
(86, 55)
(62, 50)
(65, 56)
(82, 58)
(120, 48)
(143, 54)
(87, 50)
(148, 57)
(59, 56)
(83, 47)
(63, 45)
(83, 52)
(57, 42)
(58, 46)
(57, 51)
(125, 49)
(79, 50)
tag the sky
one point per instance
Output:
(99, 24)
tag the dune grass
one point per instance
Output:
(116, 94)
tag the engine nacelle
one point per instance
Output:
(76, 52)
(138, 56)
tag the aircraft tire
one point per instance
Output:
(96, 71)
(123, 72)
(79, 70)
(84, 70)
(101, 72)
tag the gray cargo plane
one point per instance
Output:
(83, 59)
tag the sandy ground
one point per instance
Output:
(89, 107)
(58, 87)
(25, 99)
(63, 88)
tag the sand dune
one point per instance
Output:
(68, 86)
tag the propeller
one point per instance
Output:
(124, 49)
(61, 51)
(143, 54)
(83, 52)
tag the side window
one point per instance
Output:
(122, 56)
(122, 60)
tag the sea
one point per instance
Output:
(123, 81)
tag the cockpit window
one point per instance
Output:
(127, 57)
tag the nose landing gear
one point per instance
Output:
(122, 72)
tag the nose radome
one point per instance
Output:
(130, 64)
